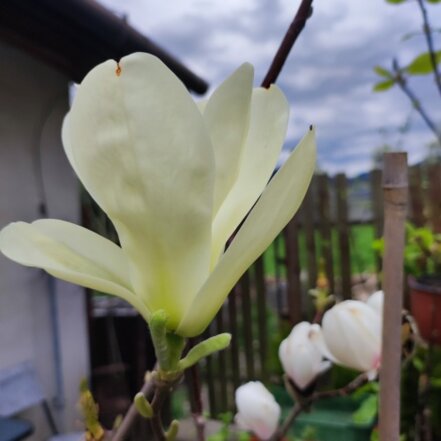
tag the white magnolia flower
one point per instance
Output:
(376, 301)
(176, 179)
(301, 359)
(351, 336)
(257, 410)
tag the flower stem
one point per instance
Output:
(294, 30)
(305, 403)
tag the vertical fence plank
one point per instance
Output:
(377, 211)
(259, 279)
(210, 379)
(435, 196)
(279, 265)
(308, 223)
(222, 395)
(234, 346)
(416, 196)
(343, 233)
(247, 324)
(292, 259)
(326, 228)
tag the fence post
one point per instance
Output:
(416, 195)
(435, 196)
(294, 287)
(343, 235)
(395, 187)
(325, 228)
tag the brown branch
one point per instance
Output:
(428, 33)
(304, 404)
(193, 378)
(132, 414)
(402, 83)
(294, 30)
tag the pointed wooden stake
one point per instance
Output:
(395, 189)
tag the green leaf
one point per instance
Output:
(203, 349)
(434, 1)
(395, 2)
(172, 431)
(143, 406)
(383, 72)
(436, 383)
(422, 64)
(383, 85)
(367, 410)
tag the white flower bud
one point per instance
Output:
(301, 359)
(257, 410)
(376, 301)
(352, 334)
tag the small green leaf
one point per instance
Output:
(203, 349)
(422, 64)
(434, 1)
(383, 72)
(143, 406)
(383, 85)
(395, 2)
(172, 431)
(367, 410)
(436, 383)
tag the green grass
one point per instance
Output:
(360, 244)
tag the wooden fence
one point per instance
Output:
(263, 307)
(265, 304)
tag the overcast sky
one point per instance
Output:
(328, 78)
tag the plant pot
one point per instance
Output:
(425, 303)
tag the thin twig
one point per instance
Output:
(428, 33)
(194, 385)
(294, 30)
(402, 83)
(132, 414)
(305, 403)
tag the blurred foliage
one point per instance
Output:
(90, 411)
(422, 253)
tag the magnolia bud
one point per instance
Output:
(302, 361)
(351, 333)
(257, 410)
(376, 301)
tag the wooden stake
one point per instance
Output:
(395, 190)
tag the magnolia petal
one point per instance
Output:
(226, 115)
(277, 205)
(268, 123)
(258, 411)
(140, 147)
(352, 332)
(71, 253)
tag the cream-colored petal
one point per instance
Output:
(71, 253)
(67, 145)
(277, 205)
(140, 147)
(268, 123)
(227, 115)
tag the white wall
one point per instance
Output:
(33, 168)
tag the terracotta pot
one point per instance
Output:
(425, 302)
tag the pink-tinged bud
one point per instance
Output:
(301, 359)
(352, 334)
(257, 410)
(376, 301)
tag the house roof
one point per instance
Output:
(76, 35)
